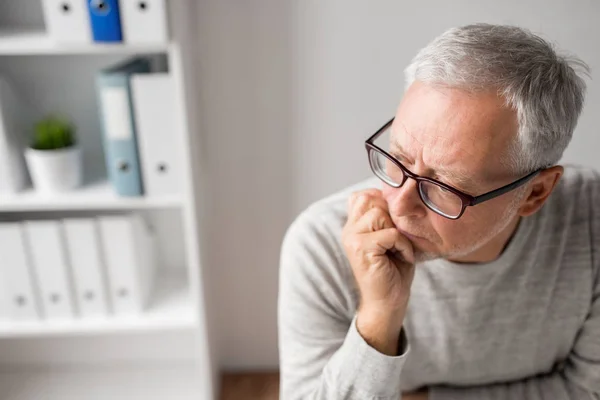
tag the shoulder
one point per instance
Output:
(580, 180)
(572, 213)
(577, 194)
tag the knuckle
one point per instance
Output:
(371, 258)
(362, 198)
(377, 212)
(354, 196)
(352, 199)
(377, 223)
(378, 218)
(353, 245)
(373, 191)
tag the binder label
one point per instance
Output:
(115, 104)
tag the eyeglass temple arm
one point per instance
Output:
(380, 130)
(504, 189)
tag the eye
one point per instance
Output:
(445, 192)
(400, 158)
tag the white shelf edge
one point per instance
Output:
(19, 42)
(170, 309)
(96, 196)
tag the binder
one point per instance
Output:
(13, 119)
(85, 258)
(159, 132)
(118, 124)
(16, 275)
(47, 248)
(129, 253)
(105, 20)
(144, 21)
(68, 21)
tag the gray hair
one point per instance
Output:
(541, 85)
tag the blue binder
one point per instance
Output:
(105, 20)
(118, 125)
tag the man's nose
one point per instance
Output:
(405, 201)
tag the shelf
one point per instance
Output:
(34, 43)
(170, 309)
(176, 382)
(96, 196)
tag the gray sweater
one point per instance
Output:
(525, 326)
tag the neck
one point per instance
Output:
(492, 249)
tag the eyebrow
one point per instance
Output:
(456, 177)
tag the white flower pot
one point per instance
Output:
(54, 171)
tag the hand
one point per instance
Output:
(382, 262)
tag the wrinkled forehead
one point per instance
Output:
(453, 129)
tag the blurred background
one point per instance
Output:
(274, 101)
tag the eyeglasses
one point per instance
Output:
(442, 199)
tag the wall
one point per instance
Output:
(290, 90)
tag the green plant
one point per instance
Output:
(53, 133)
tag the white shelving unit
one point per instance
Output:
(171, 309)
(98, 195)
(165, 351)
(24, 42)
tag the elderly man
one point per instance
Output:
(470, 269)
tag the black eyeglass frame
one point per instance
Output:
(467, 199)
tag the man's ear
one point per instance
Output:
(539, 190)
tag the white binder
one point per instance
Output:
(47, 247)
(144, 21)
(159, 132)
(18, 284)
(68, 21)
(128, 250)
(85, 258)
(13, 120)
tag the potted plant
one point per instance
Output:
(54, 157)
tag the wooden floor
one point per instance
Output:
(250, 386)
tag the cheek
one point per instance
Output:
(487, 213)
(473, 223)
(449, 231)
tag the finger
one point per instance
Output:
(360, 202)
(390, 240)
(373, 220)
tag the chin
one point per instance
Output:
(423, 246)
(422, 256)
